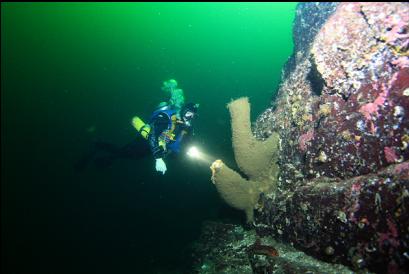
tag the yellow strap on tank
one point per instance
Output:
(145, 130)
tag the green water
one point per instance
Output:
(74, 73)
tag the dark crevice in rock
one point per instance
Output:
(318, 122)
(365, 17)
(315, 78)
(345, 97)
(310, 16)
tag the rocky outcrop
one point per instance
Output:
(342, 113)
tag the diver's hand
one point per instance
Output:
(160, 165)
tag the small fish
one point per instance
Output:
(258, 249)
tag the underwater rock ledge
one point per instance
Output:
(228, 248)
(342, 113)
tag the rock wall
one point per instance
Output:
(342, 112)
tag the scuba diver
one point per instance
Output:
(168, 128)
(169, 125)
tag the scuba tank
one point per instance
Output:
(141, 127)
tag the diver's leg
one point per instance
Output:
(101, 153)
(109, 148)
(138, 148)
(105, 154)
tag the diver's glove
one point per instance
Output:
(160, 165)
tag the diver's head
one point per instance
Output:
(189, 112)
(162, 106)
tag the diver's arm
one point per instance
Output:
(158, 151)
(158, 147)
